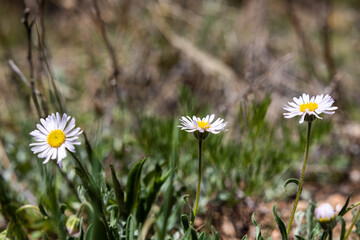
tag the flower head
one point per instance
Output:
(54, 135)
(202, 126)
(309, 108)
(325, 212)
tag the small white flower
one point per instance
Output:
(304, 105)
(325, 212)
(53, 136)
(202, 125)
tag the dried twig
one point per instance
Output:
(22, 76)
(28, 26)
(114, 79)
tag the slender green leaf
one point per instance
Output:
(344, 209)
(216, 234)
(133, 185)
(130, 228)
(119, 194)
(42, 209)
(280, 224)
(96, 230)
(315, 231)
(244, 237)
(193, 234)
(202, 236)
(88, 147)
(309, 217)
(145, 203)
(192, 216)
(257, 227)
(185, 221)
(343, 227)
(299, 237)
(187, 235)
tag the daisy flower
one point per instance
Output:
(325, 212)
(202, 125)
(306, 106)
(54, 135)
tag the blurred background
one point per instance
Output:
(128, 70)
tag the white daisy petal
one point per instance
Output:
(306, 105)
(202, 125)
(54, 136)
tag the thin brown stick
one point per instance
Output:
(41, 47)
(28, 26)
(24, 79)
(114, 79)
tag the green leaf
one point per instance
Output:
(193, 234)
(291, 180)
(186, 235)
(130, 228)
(192, 216)
(145, 203)
(257, 227)
(88, 147)
(202, 236)
(42, 209)
(344, 210)
(96, 230)
(133, 185)
(299, 237)
(216, 234)
(185, 221)
(280, 224)
(309, 217)
(315, 231)
(244, 237)
(343, 227)
(119, 194)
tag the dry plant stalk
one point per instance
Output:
(114, 79)
(29, 26)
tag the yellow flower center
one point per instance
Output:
(310, 106)
(56, 138)
(325, 219)
(203, 124)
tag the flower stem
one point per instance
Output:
(301, 177)
(352, 225)
(330, 234)
(199, 183)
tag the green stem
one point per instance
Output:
(91, 187)
(330, 234)
(199, 183)
(352, 225)
(351, 207)
(301, 177)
